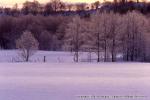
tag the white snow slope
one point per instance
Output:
(70, 81)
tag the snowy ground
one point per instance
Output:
(70, 81)
(51, 56)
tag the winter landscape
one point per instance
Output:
(73, 81)
(75, 50)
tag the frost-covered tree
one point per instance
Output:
(134, 29)
(27, 45)
(114, 34)
(98, 22)
(74, 36)
(99, 33)
(105, 33)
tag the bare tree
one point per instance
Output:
(48, 8)
(31, 7)
(105, 34)
(27, 44)
(114, 34)
(96, 4)
(74, 36)
(100, 27)
(56, 5)
(69, 6)
(134, 28)
(81, 6)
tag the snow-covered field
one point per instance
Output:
(70, 81)
(51, 56)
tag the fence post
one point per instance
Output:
(44, 58)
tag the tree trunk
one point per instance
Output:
(98, 45)
(113, 51)
(105, 51)
(27, 57)
(77, 45)
(77, 56)
(127, 54)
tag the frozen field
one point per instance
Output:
(51, 56)
(69, 81)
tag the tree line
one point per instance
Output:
(54, 7)
(110, 34)
(107, 34)
(49, 31)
